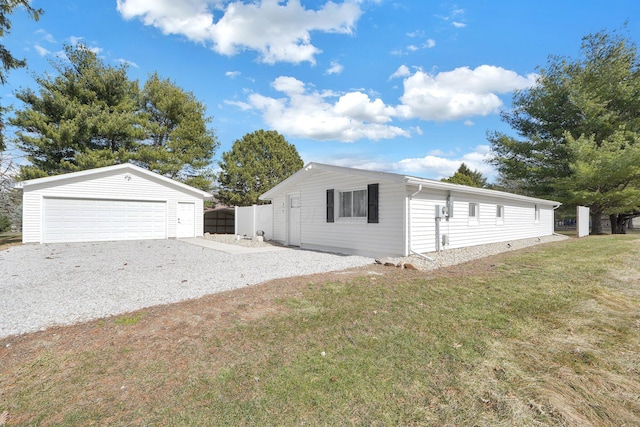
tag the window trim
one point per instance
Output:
(476, 211)
(364, 200)
(500, 214)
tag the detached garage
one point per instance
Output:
(121, 202)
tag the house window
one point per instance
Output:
(537, 213)
(473, 213)
(353, 204)
(499, 214)
(473, 210)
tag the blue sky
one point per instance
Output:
(400, 86)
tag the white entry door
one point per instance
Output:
(186, 220)
(294, 220)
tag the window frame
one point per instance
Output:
(363, 202)
(475, 218)
(500, 214)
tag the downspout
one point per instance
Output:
(554, 222)
(411, 251)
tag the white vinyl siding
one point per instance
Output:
(473, 213)
(516, 223)
(280, 218)
(124, 185)
(407, 218)
(358, 237)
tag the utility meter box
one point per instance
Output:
(439, 211)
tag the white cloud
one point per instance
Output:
(45, 36)
(317, 115)
(455, 16)
(335, 68)
(127, 63)
(232, 74)
(434, 165)
(80, 40)
(75, 40)
(241, 105)
(41, 51)
(460, 93)
(402, 71)
(326, 115)
(438, 165)
(279, 31)
(428, 44)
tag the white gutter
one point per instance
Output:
(437, 185)
(411, 251)
(554, 221)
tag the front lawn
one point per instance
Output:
(548, 335)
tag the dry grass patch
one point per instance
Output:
(543, 336)
(9, 239)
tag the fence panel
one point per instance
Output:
(250, 219)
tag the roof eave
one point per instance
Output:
(89, 172)
(474, 190)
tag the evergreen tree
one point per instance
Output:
(593, 99)
(92, 115)
(254, 165)
(179, 144)
(465, 176)
(86, 117)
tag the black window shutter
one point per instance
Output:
(330, 204)
(372, 195)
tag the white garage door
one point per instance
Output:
(86, 220)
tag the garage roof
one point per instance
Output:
(121, 167)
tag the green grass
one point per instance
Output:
(133, 319)
(546, 336)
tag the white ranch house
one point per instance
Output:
(121, 202)
(353, 211)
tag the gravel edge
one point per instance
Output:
(449, 257)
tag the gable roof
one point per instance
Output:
(312, 168)
(115, 168)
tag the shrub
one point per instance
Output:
(5, 223)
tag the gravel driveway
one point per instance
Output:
(45, 285)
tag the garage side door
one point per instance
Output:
(86, 220)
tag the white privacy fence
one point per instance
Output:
(582, 214)
(251, 219)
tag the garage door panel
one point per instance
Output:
(81, 220)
